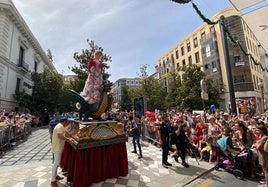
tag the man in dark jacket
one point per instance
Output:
(181, 140)
(164, 132)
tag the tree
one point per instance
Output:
(189, 93)
(213, 94)
(24, 100)
(151, 90)
(174, 83)
(189, 97)
(155, 94)
(45, 95)
(125, 104)
(46, 91)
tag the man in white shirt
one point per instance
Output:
(58, 141)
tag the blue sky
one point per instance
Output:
(132, 32)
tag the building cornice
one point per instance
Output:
(16, 18)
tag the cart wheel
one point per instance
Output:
(238, 174)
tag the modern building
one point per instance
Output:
(20, 55)
(120, 83)
(204, 47)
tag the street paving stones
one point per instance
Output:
(29, 164)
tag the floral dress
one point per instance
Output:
(92, 88)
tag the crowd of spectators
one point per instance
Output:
(14, 127)
(204, 129)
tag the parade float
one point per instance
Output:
(96, 149)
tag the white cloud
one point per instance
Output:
(132, 32)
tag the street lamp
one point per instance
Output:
(260, 84)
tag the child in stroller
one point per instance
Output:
(233, 159)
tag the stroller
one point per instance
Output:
(233, 162)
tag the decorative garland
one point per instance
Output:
(209, 22)
(203, 17)
(181, 1)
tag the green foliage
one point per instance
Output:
(155, 95)
(46, 91)
(125, 104)
(23, 99)
(213, 94)
(189, 94)
(174, 83)
(134, 93)
(183, 90)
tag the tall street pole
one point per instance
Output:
(228, 67)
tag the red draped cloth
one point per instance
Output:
(93, 165)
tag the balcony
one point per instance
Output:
(23, 66)
(243, 86)
(240, 63)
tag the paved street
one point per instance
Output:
(36, 148)
(29, 165)
(223, 179)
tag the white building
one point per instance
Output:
(20, 55)
(120, 83)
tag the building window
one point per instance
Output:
(177, 54)
(197, 58)
(237, 58)
(208, 51)
(18, 84)
(182, 51)
(195, 43)
(35, 66)
(188, 47)
(213, 64)
(190, 60)
(212, 29)
(21, 56)
(203, 35)
(183, 63)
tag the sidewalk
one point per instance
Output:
(147, 171)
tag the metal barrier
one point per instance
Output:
(10, 134)
(149, 131)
